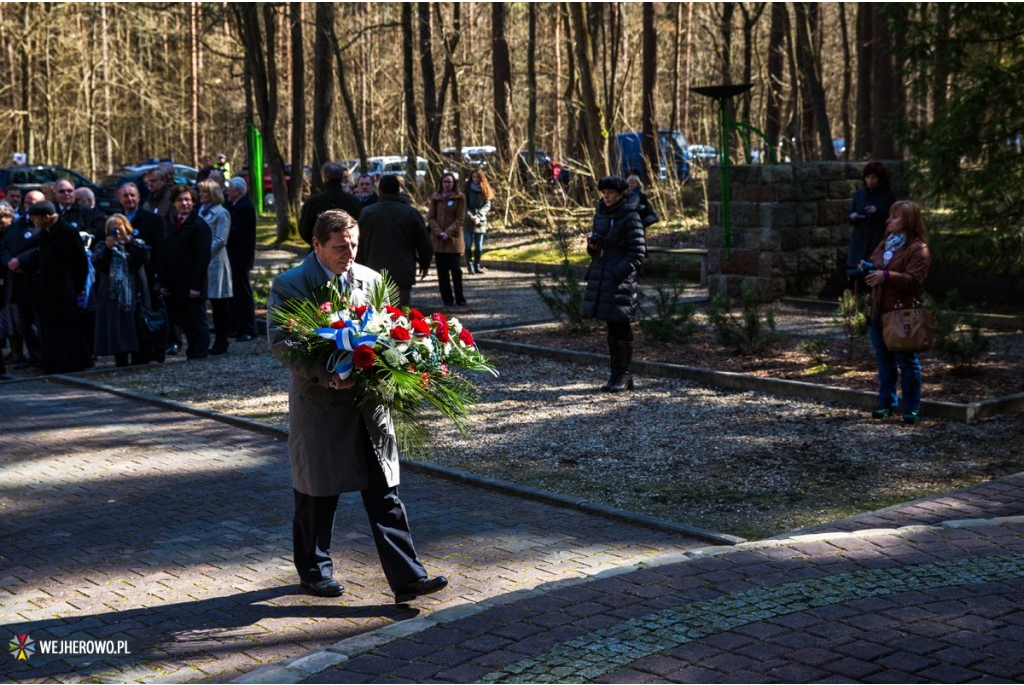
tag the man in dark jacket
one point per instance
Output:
(333, 196)
(242, 255)
(60, 262)
(395, 238)
(78, 216)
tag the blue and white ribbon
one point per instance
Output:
(348, 338)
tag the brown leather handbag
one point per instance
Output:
(908, 329)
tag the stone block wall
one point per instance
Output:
(789, 227)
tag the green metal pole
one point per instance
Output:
(254, 150)
(725, 165)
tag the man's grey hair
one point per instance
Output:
(333, 171)
(86, 196)
(6, 209)
(238, 184)
(126, 184)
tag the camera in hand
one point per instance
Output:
(861, 271)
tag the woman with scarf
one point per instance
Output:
(118, 290)
(478, 203)
(900, 266)
(618, 248)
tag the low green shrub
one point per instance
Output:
(852, 317)
(958, 337)
(665, 316)
(750, 332)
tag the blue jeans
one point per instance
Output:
(893, 366)
(474, 246)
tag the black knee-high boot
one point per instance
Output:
(621, 379)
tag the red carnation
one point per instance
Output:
(420, 327)
(415, 314)
(442, 332)
(466, 337)
(360, 310)
(337, 324)
(400, 333)
(364, 357)
(438, 317)
(395, 312)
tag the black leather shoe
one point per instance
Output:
(245, 337)
(173, 349)
(423, 586)
(328, 587)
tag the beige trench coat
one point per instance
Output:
(331, 435)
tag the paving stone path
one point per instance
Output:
(124, 521)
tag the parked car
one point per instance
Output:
(629, 158)
(471, 156)
(704, 155)
(33, 176)
(391, 165)
(268, 183)
(106, 196)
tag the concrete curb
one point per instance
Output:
(861, 399)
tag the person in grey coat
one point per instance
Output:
(339, 441)
(618, 248)
(395, 237)
(213, 212)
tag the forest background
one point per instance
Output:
(96, 85)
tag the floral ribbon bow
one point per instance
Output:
(348, 335)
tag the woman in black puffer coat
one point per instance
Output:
(617, 248)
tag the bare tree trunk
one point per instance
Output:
(451, 43)
(650, 91)
(350, 105)
(502, 70)
(673, 117)
(592, 123)
(409, 86)
(847, 82)
(298, 153)
(531, 89)
(884, 89)
(258, 39)
(689, 65)
(811, 70)
(193, 81)
(751, 15)
(432, 112)
(776, 67)
(865, 22)
(323, 89)
(108, 162)
(725, 27)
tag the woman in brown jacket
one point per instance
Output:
(899, 266)
(445, 217)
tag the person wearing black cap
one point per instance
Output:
(617, 248)
(60, 263)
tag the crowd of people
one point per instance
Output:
(188, 251)
(78, 285)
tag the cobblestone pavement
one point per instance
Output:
(928, 601)
(122, 521)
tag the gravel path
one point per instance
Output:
(742, 463)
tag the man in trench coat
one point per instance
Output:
(337, 444)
